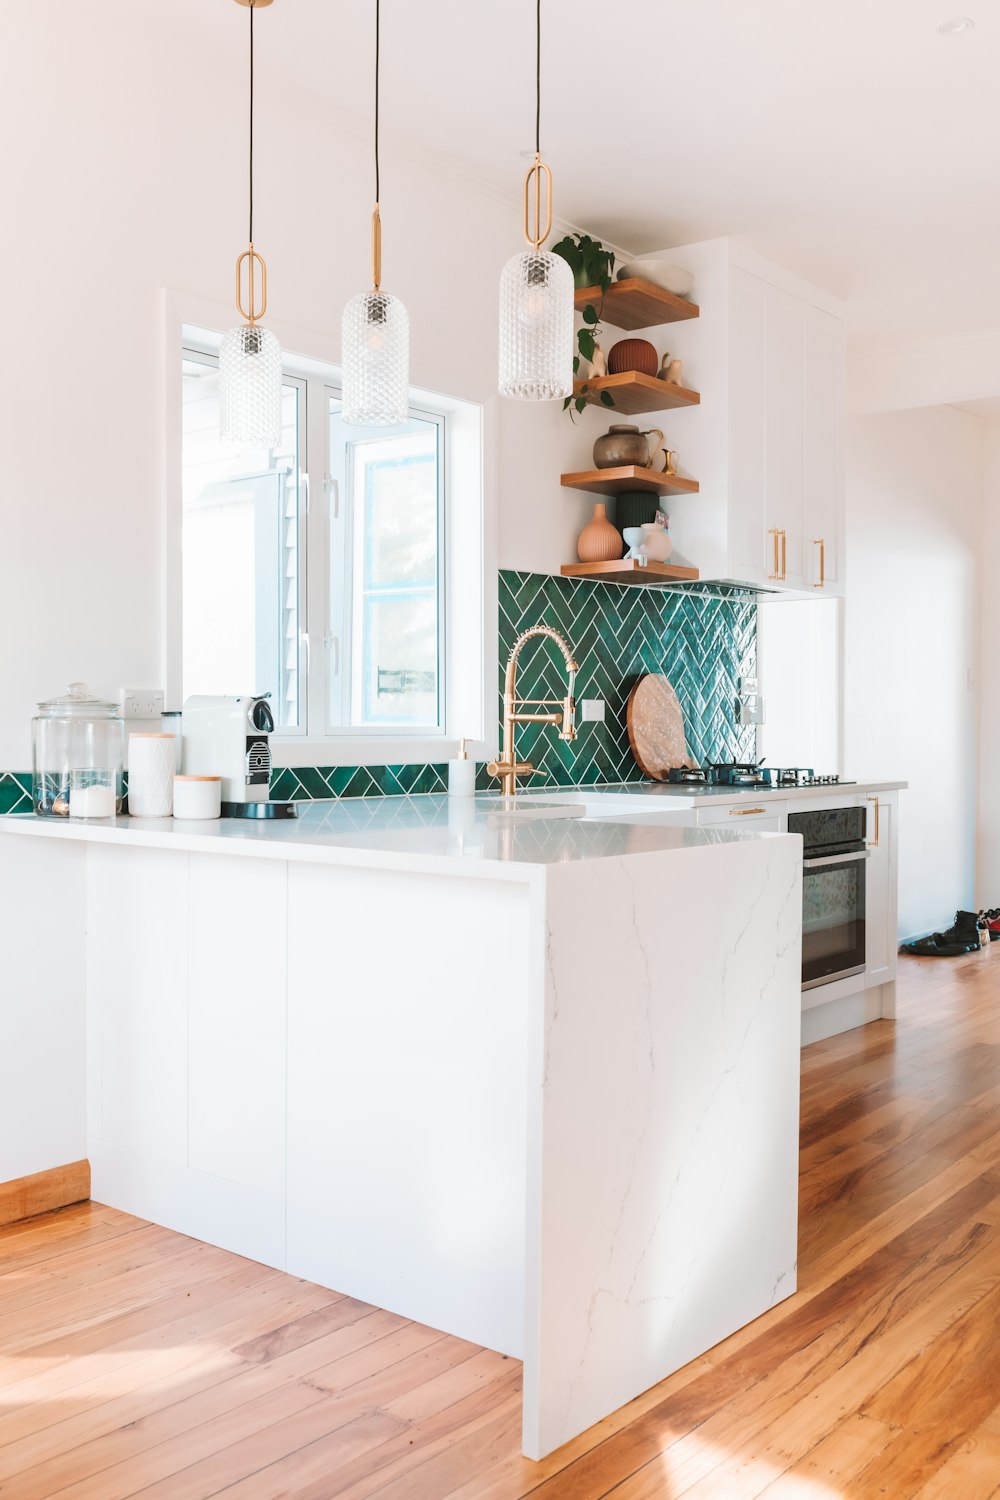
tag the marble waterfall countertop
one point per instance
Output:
(487, 835)
(481, 836)
(551, 1109)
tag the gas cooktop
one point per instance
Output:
(748, 774)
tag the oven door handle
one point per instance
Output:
(835, 859)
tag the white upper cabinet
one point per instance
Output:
(766, 443)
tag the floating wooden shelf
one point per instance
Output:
(634, 393)
(629, 570)
(629, 478)
(636, 303)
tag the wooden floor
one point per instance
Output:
(135, 1361)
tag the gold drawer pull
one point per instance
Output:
(744, 812)
(873, 843)
(820, 542)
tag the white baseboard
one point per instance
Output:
(841, 1015)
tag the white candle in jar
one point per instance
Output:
(92, 802)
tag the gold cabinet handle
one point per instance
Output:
(784, 554)
(775, 533)
(821, 544)
(873, 843)
(744, 812)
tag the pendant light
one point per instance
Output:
(375, 336)
(249, 356)
(536, 289)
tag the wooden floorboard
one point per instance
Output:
(134, 1361)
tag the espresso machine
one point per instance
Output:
(230, 737)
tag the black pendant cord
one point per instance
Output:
(251, 120)
(538, 77)
(378, 33)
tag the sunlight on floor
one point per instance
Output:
(724, 1476)
(105, 1377)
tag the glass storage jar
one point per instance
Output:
(78, 756)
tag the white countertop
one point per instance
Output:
(689, 796)
(430, 834)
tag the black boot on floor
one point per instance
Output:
(963, 937)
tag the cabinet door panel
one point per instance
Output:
(880, 925)
(823, 469)
(749, 556)
(137, 978)
(236, 1088)
(786, 337)
(767, 815)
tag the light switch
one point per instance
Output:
(592, 710)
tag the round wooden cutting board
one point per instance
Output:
(656, 727)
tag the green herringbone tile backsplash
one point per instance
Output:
(702, 640)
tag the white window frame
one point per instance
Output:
(341, 649)
(468, 577)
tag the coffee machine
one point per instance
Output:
(229, 737)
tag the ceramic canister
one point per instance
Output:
(197, 796)
(152, 762)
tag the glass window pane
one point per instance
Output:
(385, 575)
(241, 553)
(399, 677)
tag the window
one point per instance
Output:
(241, 605)
(323, 571)
(386, 493)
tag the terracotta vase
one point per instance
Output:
(632, 354)
(599, 541)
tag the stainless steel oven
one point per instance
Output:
(833, 892)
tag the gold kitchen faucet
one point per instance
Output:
(508, 768)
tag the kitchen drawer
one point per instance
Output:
(755, 812)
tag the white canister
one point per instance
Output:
(197, 796)
(152, 764)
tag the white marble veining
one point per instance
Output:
(667, 1120)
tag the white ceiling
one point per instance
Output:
(844, 138)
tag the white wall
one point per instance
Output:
(988, 862)
(124, 173)
(911, 662)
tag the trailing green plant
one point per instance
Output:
(592, 265)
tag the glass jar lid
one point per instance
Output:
(79, 702)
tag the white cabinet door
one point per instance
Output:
(758, 815)
(785, 498)
(137, 983)
(750, 558)
(880, 917)
(785, 360)
(236, 1007)
(823, 468)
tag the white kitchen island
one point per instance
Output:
(530, 1080)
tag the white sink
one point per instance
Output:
(583, 802)
(505, 810)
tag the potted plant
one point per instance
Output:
(591, 265)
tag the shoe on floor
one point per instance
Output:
(963, 937)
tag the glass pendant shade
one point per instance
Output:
(250, 387)
(375, 350)
(536, 327)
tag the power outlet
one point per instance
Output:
(142, 703)
(592, 710)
